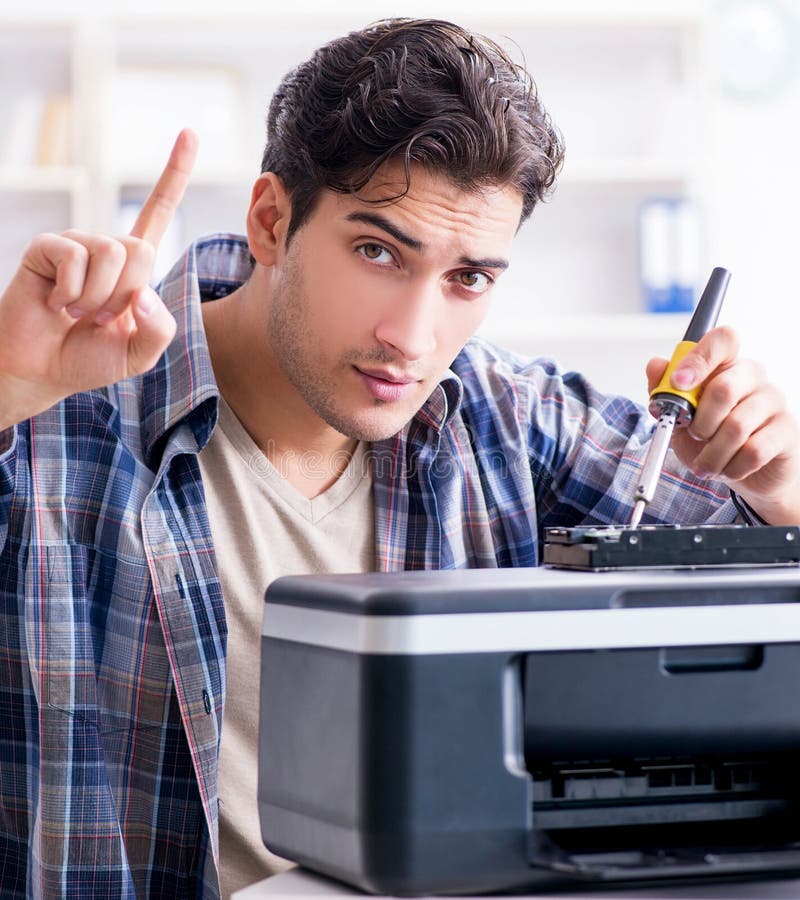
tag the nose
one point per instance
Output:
(408, 323)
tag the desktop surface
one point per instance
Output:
(299, 883)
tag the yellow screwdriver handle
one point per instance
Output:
(664, 390)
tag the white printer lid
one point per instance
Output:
(485, 611)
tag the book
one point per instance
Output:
(55, 132)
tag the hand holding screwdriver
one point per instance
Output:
(670, 405)
(742, 434)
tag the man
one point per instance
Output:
(325, 409)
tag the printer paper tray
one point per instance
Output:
(681, 863)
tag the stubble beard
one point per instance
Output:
(299, 360)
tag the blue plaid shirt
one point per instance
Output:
(112, 645)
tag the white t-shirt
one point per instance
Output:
(264, 528)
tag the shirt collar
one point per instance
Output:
(443, 403)
(182, 385)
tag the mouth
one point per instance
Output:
(386, 385)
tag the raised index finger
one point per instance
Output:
(159, 208)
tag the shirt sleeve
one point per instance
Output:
(8, 468)
(586, 452)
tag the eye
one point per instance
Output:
(375, 253)
(476, 282)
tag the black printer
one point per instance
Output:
(479, 731)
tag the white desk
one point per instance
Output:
(297, 883)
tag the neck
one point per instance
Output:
(309, 454)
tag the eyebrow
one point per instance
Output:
(383, 223)
(483, 263)
(401, 237)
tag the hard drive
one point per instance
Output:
(606, 548)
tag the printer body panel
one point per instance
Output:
(407, 790)
(395, 766)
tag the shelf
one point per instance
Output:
(591, 14)
(200, 178)
(34, 179)
(630, 170)
(505, 13)
(621, 170)
(611, 328)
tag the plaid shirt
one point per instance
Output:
(112, 644)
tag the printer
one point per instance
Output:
(489, 730)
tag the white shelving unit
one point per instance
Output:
(35, 191)
(624, 83)
(628, 89)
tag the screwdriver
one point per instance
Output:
(672, 406)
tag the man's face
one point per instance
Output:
(372, 301)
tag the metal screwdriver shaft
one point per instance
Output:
(672, 406)
(653, 463)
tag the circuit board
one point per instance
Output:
(607, 548)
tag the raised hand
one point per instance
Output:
(79, 314)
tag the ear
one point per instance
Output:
(268, 218)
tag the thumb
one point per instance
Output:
(716, 350)
(155, 328)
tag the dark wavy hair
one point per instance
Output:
(422, 91)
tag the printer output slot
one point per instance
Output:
(658, 818)
(646, 791)
(656, 762)
(593, 782)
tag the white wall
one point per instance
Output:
(755, 179)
